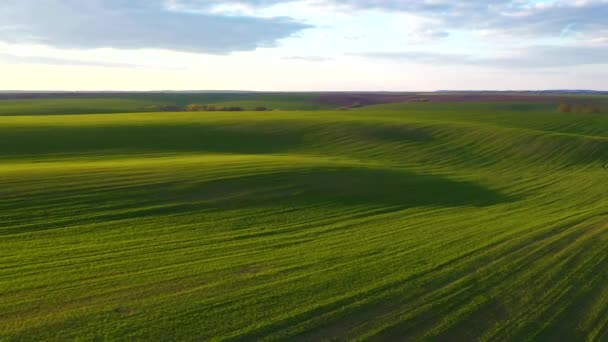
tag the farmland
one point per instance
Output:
(438, 220)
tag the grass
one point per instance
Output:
(146, 102)
(404, 221)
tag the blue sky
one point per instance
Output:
(303, 45)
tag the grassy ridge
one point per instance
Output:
(146, 102)
(417, 221)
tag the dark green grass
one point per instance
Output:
(396, 222)
(147, 102)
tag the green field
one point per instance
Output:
(427, 221)
(145, 102)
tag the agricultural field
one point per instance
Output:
(427, 219)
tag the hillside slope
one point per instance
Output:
(402, 221)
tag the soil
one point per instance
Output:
(353, 100)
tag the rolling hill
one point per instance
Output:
(402, 221)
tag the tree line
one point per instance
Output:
(202, 108)
(581, 109)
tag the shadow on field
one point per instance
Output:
(249, 138)
(344, 186)
(241, 138)
(325, 187)
(377, 133)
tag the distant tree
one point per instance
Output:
(195, 107)
(261, 109)
(564, 108)
(592, 109)
(230, 109)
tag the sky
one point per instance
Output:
(303, 45)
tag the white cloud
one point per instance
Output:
(8, 58)
(236, 43)
(308, 58)
(136, 24)
(537, 57)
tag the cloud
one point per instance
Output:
(221, 5)
(518, 18)
(557, 19)
(18, 59)
(225, 26)
(8, 58)
(137, 24)
(529, 57)
(426, 35)
(308, 58)
(514, 17)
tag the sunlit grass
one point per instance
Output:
(416, 221)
